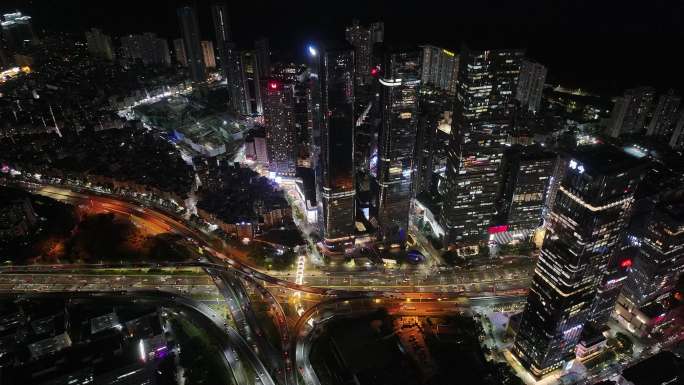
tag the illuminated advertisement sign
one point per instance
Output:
(497, 229)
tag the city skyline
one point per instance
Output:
(209, 192)
(585, 45)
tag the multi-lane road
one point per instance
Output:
(390, 285)
(492, 279)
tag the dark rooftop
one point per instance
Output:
(663, 368)
(604, 159)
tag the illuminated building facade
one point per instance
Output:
(630, 112)
(279, 120)
(481, 124)
(665, 116)
(332, 102)
(208, 54)
(655, 269)
(220, 17)
(189, 26)
(439, 68)
(231, 63)
(363, 39)
(644, 304)
(396, 142)
(302, 120)
(251, 84)
(433, 104)
(527, 173)
(531, 85)
(586, 223)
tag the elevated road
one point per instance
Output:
(348, 298)
(332, 284)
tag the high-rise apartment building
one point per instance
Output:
(630, 112)
(665, 116)
(332, 109)
(148, 48)
(99, 44)
(481, 123)
(208, 54)
(439, 68)
(531, 85)
(279, 120)
(189, 26)
(396, 142)
(587, 221)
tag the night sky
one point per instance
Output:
(604, 45)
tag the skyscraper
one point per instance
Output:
(179, 49)
(208, 54)
(527, 172)
(677, 139)
(4, 58)
(99, 44)
(587, 220)
(231, 62)
(363, 39)
(219, 14)
(377, 30)
(360, 37)
(189, 26)
(531, 85)
(665, 115)
(263, 54)
(17, 31)
(433, 105)
(280, 126)
(332, 108)
(302, 126)
(439, 68)
(251, 84)
(481, 123)
(655, 269)
(630, 112)
(396, 141)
